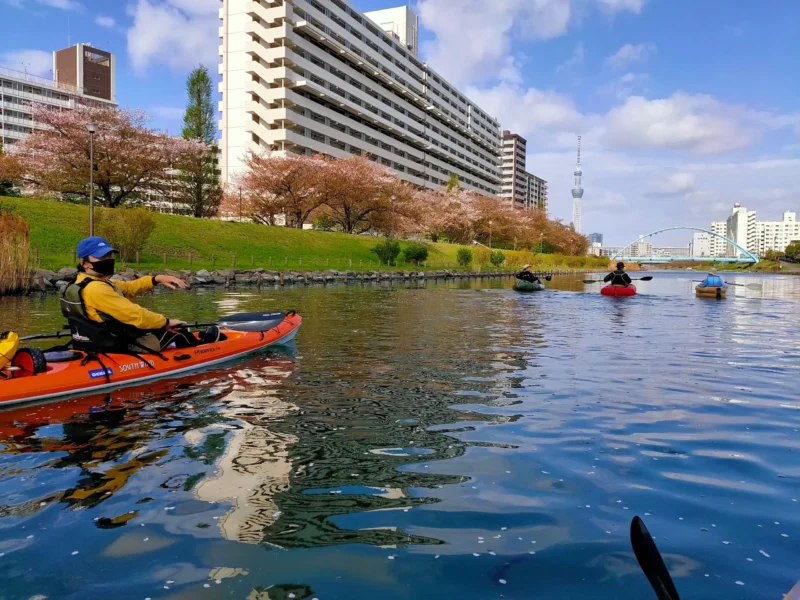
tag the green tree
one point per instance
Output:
(201, 188)
(416, 252)
(387, 251)
(497, 258)
(464, 257)
(453, 183)
(793, 251)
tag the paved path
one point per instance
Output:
(791, 267)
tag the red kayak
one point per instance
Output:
(618, 290)
(87, 375)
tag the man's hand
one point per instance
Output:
(174, 324)
(171, 282)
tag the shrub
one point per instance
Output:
(324, 223)
(387, 251)
(416, 252)
(464, 257)
(128, 229)
(517, 259)
(482, 256)
(497, 258)
(15, 253)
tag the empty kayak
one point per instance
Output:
(77, 373)
(528, 286)
(618, 290)
(711, 292)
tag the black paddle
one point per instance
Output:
(651, 562)
(646, 278)
(749, 286)
(239, 322)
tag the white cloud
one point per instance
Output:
(573, 62)
(36, 62)
(177, 33)
(472, 38)
(169, 113)
(676, 184)
(526, 111)
(107, 22)
(625, 85)
(630, 54)
(698, 123)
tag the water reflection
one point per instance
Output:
(426, 443)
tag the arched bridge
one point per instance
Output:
(744, 256)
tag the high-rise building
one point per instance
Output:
(577, 193)
(719, 247)
(399, 22)
(311, 76)
(514, 185)
(741, 228)
(20, 90)
(523, 189)
(776, 235)
(88, 69)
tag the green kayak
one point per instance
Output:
(528, 286)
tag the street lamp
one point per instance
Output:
(92, 129)
(393, 214)
(490, 235)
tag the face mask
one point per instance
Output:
(104, 267)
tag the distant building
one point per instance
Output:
(88, 69)
(577, 194)
(640, 248)
(701, 245)
(672, 252)
(19, 90)
(741, 228)
(719, 247)
(595, 238)
(524, 189)
(776, 235)
(319, 76)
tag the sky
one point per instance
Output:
(685, 106)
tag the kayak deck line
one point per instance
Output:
(120, 370)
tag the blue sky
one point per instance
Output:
(685, 106)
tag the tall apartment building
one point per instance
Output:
(19, 90)
(741, 228)
(776, 235)
(524, 189)
(719, 247)
(318, 76)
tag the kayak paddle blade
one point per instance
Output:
(647, 278)
(252, 321)
(651, 562)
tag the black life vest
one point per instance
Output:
(89, 335)
(618, 278)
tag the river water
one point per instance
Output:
(453, 441)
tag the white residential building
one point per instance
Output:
(84, 75)
(318, 76)
(719, 247)
(702, 245)
(776, 235)
(515, 184)
(741, 228)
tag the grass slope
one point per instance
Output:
(56, 228)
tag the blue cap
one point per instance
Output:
(96, 247)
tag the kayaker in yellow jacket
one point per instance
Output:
(94, 297)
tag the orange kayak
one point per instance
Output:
(116, 370)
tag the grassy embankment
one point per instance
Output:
(56, 228)
(762, 266)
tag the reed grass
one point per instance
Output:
(15, 254)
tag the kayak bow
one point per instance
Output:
(88, 375)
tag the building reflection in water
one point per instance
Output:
(255, 465)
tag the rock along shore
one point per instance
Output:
(44, 280)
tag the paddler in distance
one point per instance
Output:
(102, 316)
(713, 281)
(619, 277)
(527, 275)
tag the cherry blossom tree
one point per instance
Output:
(10, 173)
(129, 158)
